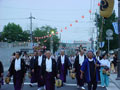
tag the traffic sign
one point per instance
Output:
(109, 32)
(109, 38)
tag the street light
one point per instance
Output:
(51, 42)
(118, 61)
(52, 32)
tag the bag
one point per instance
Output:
(7, 80)
(106, 71)
(58, 83)
(72, 74)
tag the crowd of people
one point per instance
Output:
(44, 68)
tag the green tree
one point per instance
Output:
(46, 31)
(13, 32)
(107, 25)
(25, 36)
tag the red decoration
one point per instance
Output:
(76, 21)
(71, 25)
(61, 30)
(83, 16)
(98, 4)
(56, 32)
(66, 28)
(50, 35)
(90, 11)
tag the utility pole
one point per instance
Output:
(118, 61)
(51, 46)
(101, 31)
(92, 39)
(31, 36)
(97, 43)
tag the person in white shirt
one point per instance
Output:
(64, 64)
(40, 59)
(77, 67)
(17, 70)
(33, 67)
(49, 71)
(105, 65)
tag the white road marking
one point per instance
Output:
(66, 84)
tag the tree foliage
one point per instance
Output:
(107, 25)
(12, 32)
(46, 31)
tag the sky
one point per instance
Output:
(55, 13)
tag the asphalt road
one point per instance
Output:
(5, 58)
(27, 87)
(70, 85)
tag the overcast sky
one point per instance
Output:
(56, 13)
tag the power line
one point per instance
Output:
(47, 9)
(40, 19)
(13, 18)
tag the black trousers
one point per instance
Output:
(92, 85)
(80, 81)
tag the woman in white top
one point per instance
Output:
(105, 65)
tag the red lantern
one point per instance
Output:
(50, 35)
(61, 30)
(56, 32)
(83, 17)
(90, 11)
(71, 25)
(76, 21)
(98, 4)
(66, 28)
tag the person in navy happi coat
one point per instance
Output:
(90, 68)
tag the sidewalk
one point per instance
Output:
(113, 80)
